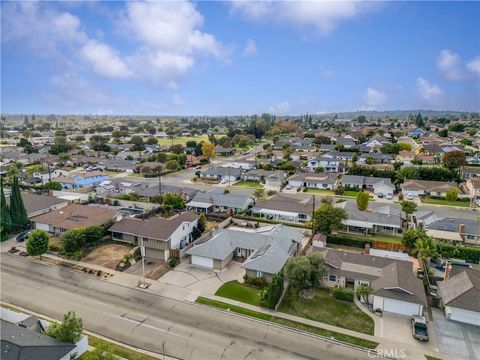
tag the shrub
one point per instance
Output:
(343, 294)
(273, 292)
(70, 330)
(339, 191)
(467, 253)
(271, 192)
(340, 239)
(253, 281)
(172, 262)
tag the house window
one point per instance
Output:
(117, 235)
(332, 278)
(259, 274)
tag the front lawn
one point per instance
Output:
(353, 194)
(248, 184)
(240, 292)
(289, 323)
(325, 308)
(320, 191)
(182, 140)
(426, 200)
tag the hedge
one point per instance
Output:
(343, 294)
(467, 253)
(346, 240)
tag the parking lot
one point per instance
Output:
(457, 339)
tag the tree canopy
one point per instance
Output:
(37, 243)
(328, 217)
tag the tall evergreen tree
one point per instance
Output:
(18, 213)
(5, 222)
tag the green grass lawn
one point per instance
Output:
(325, 308)
(240, 292)
(320, 191)
(293, 324)
(425, 200)
(248, 184)
(112, 349)
(353, 193)
(181, 140)
(378, 237)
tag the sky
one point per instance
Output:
(238, 57)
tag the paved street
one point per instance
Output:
(146, 320)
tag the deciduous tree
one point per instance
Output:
(37, 243)
(362, 200)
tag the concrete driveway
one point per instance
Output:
(397, 327)
(202, 280)
(457, 339)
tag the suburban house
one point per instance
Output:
(215, 201)
(327, 181)
(45, 176)
(426, 187)
(74, 216)
(41, 204)
(374, 143)
(452, 229)
(470, 172)
(224, 151)
(244, 164)
(222, 173)
(276, 181)
(333, 161)
(260, 175)
(384, 219)
(376, 158)
(120, 165)
(405, 157)
(377, 185)
(158, 234)
(472, 186)
(346, 142)
(23, 338)
(416, 133)
(264, 251)
(145, 191)
(396, 289)
(285, 208)
(80, 180)
(425, 159)
(116, 187)
(459, 294)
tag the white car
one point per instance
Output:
(224, 181)
(409, 196)
(389, 196)
(288, 187)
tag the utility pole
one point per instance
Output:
(160, 183)
(142, 251)
(313, 214)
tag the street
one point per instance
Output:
(147, 321)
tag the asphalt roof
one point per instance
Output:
(34, 202)
(461, 290)
(220, 199)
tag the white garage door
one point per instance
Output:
(202, 261)
(401, 307)
(41, 226)
(465, 316)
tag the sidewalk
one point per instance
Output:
(412, 352)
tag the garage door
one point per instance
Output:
(401, 307)
(465, 316)
(41, 226)
(202, 261)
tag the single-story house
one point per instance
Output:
(260, 175)
(244, 164)
(224, 151)
(222, 173)
(120, 165)
(41, 204)
(115, 187)
(215, 201)
(377, 185)
(405, 157)
(327, 181)
(427, 187)
(149, 191)
(283, 207)
(158, 234)
(264, 251)
(74, 216)
(470, 172)
(80, 180)
(459, 295)
(275, 181)
(376, 158)
(425, 159)
(396, 289)
(384, 219)
(457, 230)
(473, 188)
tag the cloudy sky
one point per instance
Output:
(238, 57)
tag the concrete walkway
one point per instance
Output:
(387, 345)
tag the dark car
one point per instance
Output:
(23, 236)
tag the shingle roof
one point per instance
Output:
(321, 178)
(153, 228)
(34, 202)
(76, 216)
(282, 202)
(462, 290)
(223, 200)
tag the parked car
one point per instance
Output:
(224, 181)
(419, 328)
(288, 187)
(409, 196)
(389, 196)
(23, 235)
(380, 195)
(438, 264)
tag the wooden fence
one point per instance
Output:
(389, 246)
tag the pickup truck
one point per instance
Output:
(419, 328)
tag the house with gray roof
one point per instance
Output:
(326, 181)
(264, 251)
(465, 231)
(459, 295)
(283, 207)
(376, 185)
(217, 201)
(395, 286)
(383, 219)
(222, 173)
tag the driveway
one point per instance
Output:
(397, 327)
(455, 338)
(202, 280)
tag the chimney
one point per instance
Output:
(366, 251)
(461, 231)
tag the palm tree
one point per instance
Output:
(425, 248)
